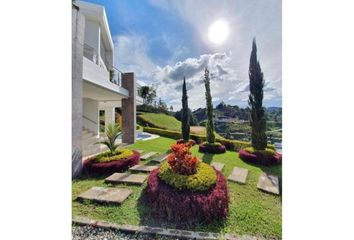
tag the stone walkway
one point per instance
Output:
(105, 195)
(218, 166)
(137, 179)
(239, 175)
(147, 155)
(143, 168)
(268, 183)
(160, 158)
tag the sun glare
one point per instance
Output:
(218, 32)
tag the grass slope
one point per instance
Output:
(252, 212)
(160, 120)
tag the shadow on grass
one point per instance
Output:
(208, 157)
(147, 219)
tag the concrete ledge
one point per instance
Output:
(176, 233)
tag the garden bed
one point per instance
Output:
(96, 166)
(214, 148)
(261, 158)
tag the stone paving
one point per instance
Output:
(143, 168)
(268, 183)
(139, 151)
(105, 195)
(147, 155)
(239, 175)
(160, 158)
(218, 166)
(137, 179)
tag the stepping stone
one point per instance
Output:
(143, 168)
(105, 195)
(147, 155)
(238, 175)
(268, 183)
(139, 151)
(218, 166)
(160, 158)
(115, 178)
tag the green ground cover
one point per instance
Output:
(160, 120)
(252, 212)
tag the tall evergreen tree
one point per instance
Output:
(255, 102)
(209, 109)
(185, 113)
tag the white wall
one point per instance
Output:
(92, 35)
(90, 111)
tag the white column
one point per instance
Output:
(109, 115)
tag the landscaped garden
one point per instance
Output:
(251, 211)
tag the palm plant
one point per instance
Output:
(113, 130)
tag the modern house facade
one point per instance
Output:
(97, 85)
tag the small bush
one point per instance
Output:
(185, 207)
(181, 160)
(212, 148)
(268, 152)
(260, 159)
(97, 168)
(118, 155)
(202, 180)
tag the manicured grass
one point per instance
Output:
(252, 212)
(161, 120)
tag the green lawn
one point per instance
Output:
(161, 120)
(252, 212)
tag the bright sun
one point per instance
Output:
(218, 32)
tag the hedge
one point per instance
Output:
(214, 148)
(232, 145)
(260, 158)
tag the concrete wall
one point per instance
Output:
(90, 115)
(78, 26)
(92, 35)
(129, 109)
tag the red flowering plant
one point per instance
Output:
(181, 160)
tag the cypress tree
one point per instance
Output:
(209, 109)
(185, 113)
(255, 101)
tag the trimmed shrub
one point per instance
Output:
(231, 145)
(212, 148)
(202, 180)
(268, 152)
(181, 160)
(183, 206)
(97, 168)
(261, 159)
(118, 155)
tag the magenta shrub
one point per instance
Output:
(184, 206)
(260, 159)
(205, 148)
(91, 167)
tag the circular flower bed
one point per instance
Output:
(186, 191)
(185, 206)
(202, 180)
(216, 147)
(263, 157)
(105, 164)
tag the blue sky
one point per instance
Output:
(164, 40)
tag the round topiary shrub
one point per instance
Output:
(216, 147)
(184, 206)
(185, 190)
(202, 180)
(105, 164)
(263, 157)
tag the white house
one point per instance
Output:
(97, 84)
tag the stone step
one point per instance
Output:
(238, 175)
(136, 179)
(218, 166)
(105, 195)
(87, 135)
(143, 168)
(160, 158)
(147, 155)
(268, 183)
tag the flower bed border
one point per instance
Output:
(90, 167)
(184, 206)
(205, 148)
(259, 159)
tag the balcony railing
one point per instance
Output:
(115, 75)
